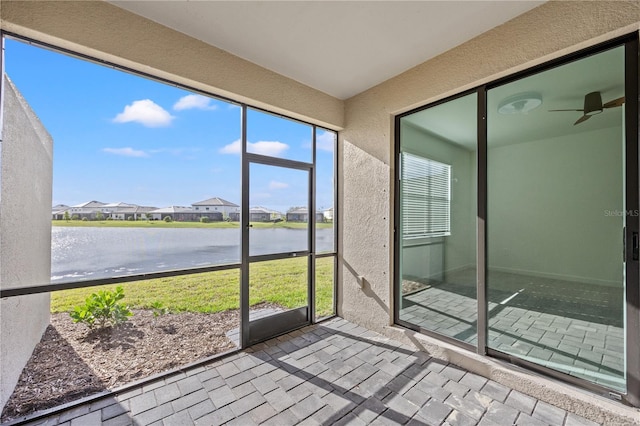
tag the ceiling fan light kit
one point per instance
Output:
(592, 106)
(521, 103)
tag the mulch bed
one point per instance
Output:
(71, 361)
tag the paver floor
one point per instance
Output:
(571, 327)
(334, 373)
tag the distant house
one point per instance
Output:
(184, 214)
(87, 210)
(263, 214)
(90, 210)
(301, 214)
(57, 211)
(216, 204)
(125, 211)
(328, 214)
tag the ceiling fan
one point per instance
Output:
(593, 105)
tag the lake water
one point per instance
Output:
(91, 253)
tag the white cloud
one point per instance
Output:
(126, 152)
(270, 148)
(234, 147)
(326, 141)
(274, 184)
(194, 102)
(145, 112)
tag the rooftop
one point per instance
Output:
(215, 201)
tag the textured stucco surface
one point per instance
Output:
(25, 233)
(366, 170)
(109, 33)
(551, 30)
(365, 149)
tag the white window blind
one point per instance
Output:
(425, 197)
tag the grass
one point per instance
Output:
(282, 282)
(163, 224)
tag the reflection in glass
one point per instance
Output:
(555, 282)
(325, 190)
(276, 286)
(438, 219)
(276, 136)
(278, 213)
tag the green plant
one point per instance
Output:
(66, 216)
(85, 219)
(159, 309)
(102, 309)
(75, 217)
(205, 219)
(167, 219)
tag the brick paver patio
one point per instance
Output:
(570, 327)
(334, 373)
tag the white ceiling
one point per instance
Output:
(338, 47)
(562, 87)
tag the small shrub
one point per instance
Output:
(102, 309)
(85, 219)
(205, 219)
(167, 219)
(75, 217)
(159, 309)
(130, 218)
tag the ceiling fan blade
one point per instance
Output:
(573, 110)
(581, 119)
(614, 103)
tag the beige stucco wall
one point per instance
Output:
(366, 173)
(26, 154)
(109, 33)
(366, 144)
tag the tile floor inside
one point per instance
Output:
(571, 327)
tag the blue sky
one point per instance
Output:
(120, 137)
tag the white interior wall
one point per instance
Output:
(457, 250)
(25, 234)
(547, 207)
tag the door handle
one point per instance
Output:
(635, 252)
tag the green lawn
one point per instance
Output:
(282, 282)
(163, 224)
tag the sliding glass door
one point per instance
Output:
(517, 220)
(437, 219)
(556, 218)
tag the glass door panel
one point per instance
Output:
(278, 210)
(555, 219)
(277, 286)
(279, 250)
(438, 182)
